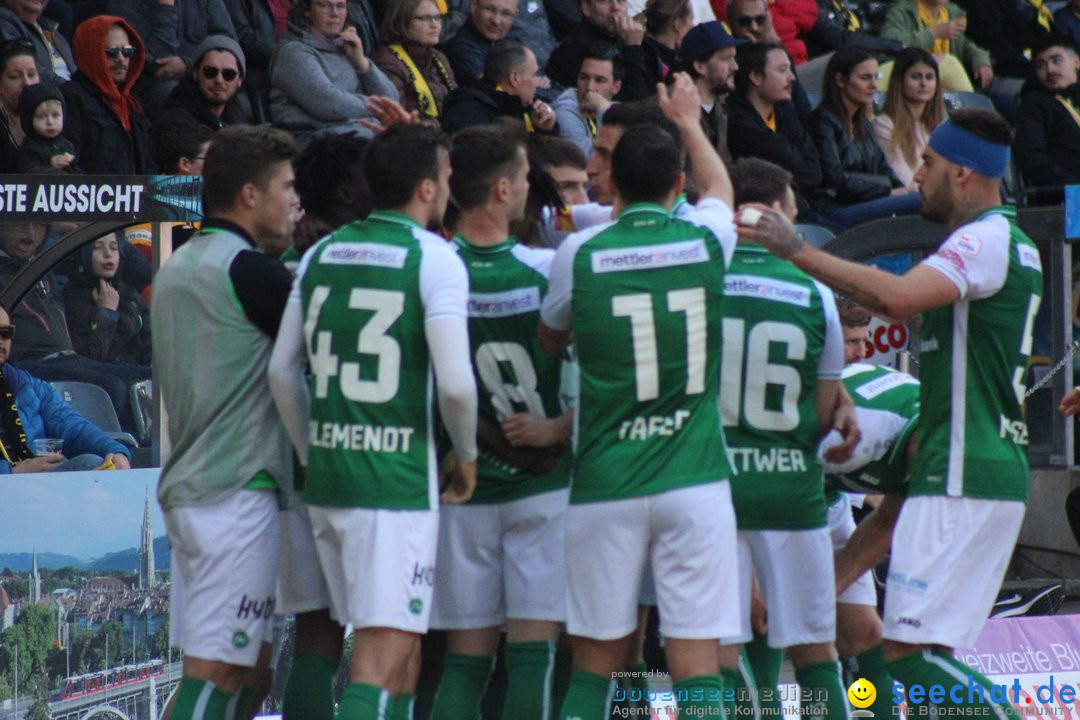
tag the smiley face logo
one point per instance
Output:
(862, 693)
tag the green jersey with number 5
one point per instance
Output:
(781, 336)
(973, 363)
(366, 292)
(513, 373)
(643, 297)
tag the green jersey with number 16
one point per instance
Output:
(366, 292)
(513, 373)
(781, 336)
(973, 363)
(643, 296)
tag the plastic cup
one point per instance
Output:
(47, 446)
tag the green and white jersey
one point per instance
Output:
(513, 373)
(781, 336)
(643, 296)
(973, 363)
(366, 292)
(887, 410)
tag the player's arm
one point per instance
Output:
(868, 544)
(287, 381)
(682, 106)
(1070, 404)
(527, 430)
(825, 404)
(897, 296)
(554, 329)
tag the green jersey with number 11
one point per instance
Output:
(643, 296)
(366, 292)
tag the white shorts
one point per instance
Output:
(499, 561)
(688, 534)
(841, 525)
(794, 570)
(300, 587)
(379, 564)
(949, 557)
(224, 564)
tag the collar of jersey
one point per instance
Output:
(1006, 210)
(746, 246)
(392, 216)
(644, 207)
(463, 241)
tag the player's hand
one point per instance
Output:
(759, 611)
(41, 463)
(543, 116)
(1070, 405)
(681, 103)
(463, 484)
(768, 228)
(526, 430)
(844, 422)
(388, 113)
(119, 461)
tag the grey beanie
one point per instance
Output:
(222, 42)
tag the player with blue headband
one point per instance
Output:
(978, 295)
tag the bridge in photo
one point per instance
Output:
(141, 700)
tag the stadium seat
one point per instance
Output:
(955, 99)
(816, 235)
(93, 403)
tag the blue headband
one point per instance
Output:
(964, 147)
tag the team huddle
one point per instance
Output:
(498, 439)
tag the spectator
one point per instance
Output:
(781, 22)
(938, 26)
(211, 95)
(257, 33)
(421, 74)
(108, 320)
(838, 25)
(753, 21)
(564, 163)
(531, 29)
(17, 70)
(41, 110)
(914, 106)
(605, 21)
(104, 121)
(172, 32)
(508, 89)
(489, 22)
(762, 121)
(564, 16)
(666, 23)
(858, 184)
(708, 52)
(558, 184)
(578, 110)
(1048, 124)
(181, 147)
(1009, 30)
(1067, 22)
(321, 77)
(45, 348)
(34, 411)
(23, 20)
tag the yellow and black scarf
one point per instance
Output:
(13, 446)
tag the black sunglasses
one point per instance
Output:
(748, 20)
(7, 331)
(228, 74)
(111, 51)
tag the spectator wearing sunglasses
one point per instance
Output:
(761, 22)
(104, 121)
(211, 95)
(23, 20)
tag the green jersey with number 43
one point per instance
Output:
(781, 336)
(643, 297)
(366, 292)
(513, 373)
(973, 363)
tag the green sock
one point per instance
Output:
(700, 696)
(870, 664)
(588, 697)
(363, 702)
(637, 685)
(929, 667)
(401, 708)
(462, 686)
(530, 669)
(201, 700)
(764, 665)
(245, 696)
(826, 689)
(564, 668)
(740, 691)
(308, 689)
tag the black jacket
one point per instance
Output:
(481, 105)
(36, 153)
(254, 23)
(1048, 138)
(467, 51)
(658, 57)
(790, 146)
(1007, 28)
(566, 60)
(853, 170)
(830, 32)
(186, 103)
(102, 145)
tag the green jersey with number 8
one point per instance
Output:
(643, 296)
(973, 363)
(366, 292)
(513, 373)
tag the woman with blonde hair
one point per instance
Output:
(421, 74)
(914, 106)
(666, 23)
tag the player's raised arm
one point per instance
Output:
(682, 106)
